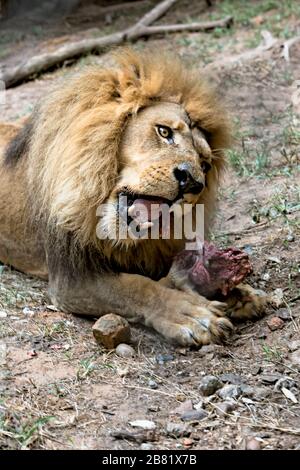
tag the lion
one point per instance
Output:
(149, 129)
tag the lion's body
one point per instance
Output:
(18, 245)
(75, 153)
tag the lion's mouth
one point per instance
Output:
(144, 210)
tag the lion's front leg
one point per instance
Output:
(243, 302)
(184, 318)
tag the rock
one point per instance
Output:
(162, 358)
(276, 298)
(225, 407)
(185, 406)
(255, 392)
(193, 415)
(262, 333)
(255, 370)
(143, 424)
(231, 378)
(209, 385)
(261, 392)
(294, 345)
(247, 390)
(295, 357)
(286, 382)
(177, 430)
(124, 350)
(3, 314)
(253, 444)
(199, 405)
(28, 311)
(275, 323)
(207, 349)
(284, 314)
(111, 330)
(146, 446)
(290, 237)
(188, 442)
(153, 409)
(230, 391)
(269, 379)
(152, 384)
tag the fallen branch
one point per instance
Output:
(268, 43)
(72, 50)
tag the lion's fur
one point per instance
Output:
(72, 154)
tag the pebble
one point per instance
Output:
(261, 392)
(265, 277)
(111, 330)
(231, 378)
(28, 311)
(269, 379)
(295, 357)
(256, 370)
(152, 384)
(290, 237)
(143, 424)
(284, 314)
(146, 446)
(124, 350)
(294, 345)
(286, 382)
(185, 406)
(275, 323)
(276, 297)
(225, 407)
(3, 314)
(253, 444)
(193, 415)
(162, 358)
(255, 392)
(177, 430)
(230, 391)
(209, 385)
(188, 442)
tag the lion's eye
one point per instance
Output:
(205, 166)
(165, 132)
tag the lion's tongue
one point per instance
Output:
(141, 210)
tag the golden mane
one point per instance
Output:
(73, 157)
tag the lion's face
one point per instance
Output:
(164, 159)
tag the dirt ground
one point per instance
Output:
(58, 388)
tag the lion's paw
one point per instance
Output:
(191, 324)
(245, 303)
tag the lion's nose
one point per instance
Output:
(187, 184)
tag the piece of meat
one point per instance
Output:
(210, 271)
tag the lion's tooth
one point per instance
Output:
(131, 210)
(145, 225)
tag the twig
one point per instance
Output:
(246, 229)
(72, 50)
(287, 45)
